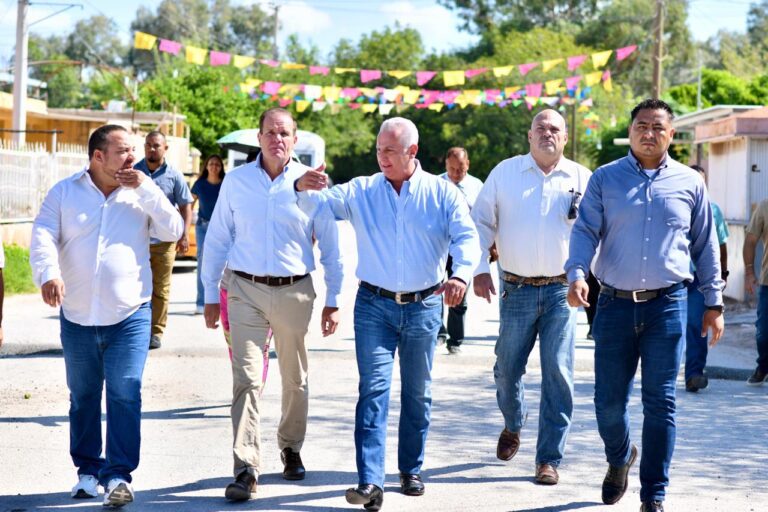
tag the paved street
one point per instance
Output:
(719, 463)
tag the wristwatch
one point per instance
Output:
(719, 308)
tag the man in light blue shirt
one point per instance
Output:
(457, 173)
(258, 231)
(407, 222)
(651, 216)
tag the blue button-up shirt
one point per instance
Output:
(649, 229)
(258, 228)
(403, 240)
(170, 181)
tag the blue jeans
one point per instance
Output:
(114, 354)
(695, 344)
(526, 311)
(201, 228)
(761, 335)
(626, 332)
(382, 327)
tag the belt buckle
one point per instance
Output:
(398, 298)
(635, 299)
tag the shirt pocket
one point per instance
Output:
(677, 213)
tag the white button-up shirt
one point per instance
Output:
(258, 228)
(99, 246)
(526, 213)
(469, 187)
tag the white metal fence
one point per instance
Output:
(27, 173)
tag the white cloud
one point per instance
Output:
(297, 17)
(437, 25)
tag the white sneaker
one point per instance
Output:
(87, 487)
(118, 493)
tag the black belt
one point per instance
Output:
(640, 295)
(401, 297)
(269, 280)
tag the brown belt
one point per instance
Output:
(533, 281)
(269, 280)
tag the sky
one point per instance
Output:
(324, 22)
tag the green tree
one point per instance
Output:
(482, 15)
(95, 40)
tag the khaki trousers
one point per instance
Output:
(253, 308)
(161, 258)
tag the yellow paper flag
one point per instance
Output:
(196, 55)
(241, 61)
(302, 105)
(339, 71)
(451, 78)
(399, 74)
(369, 108)
(502, 71)
(437, 107)
(411, 97)
(552, 86)
(331, 93)
(601, 59)
(143, 41)
(608, 84)
(292, 65)
(592, 78)
(549, 64)
(510, 91)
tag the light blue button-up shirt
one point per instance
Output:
(403, 240)
(649, 228)
(258, 228)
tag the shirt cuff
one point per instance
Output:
(576, 274)
(332, 300)
(463, 273)
(48, 274)
(212, 295)
(483, 267)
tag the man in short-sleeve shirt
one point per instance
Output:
(756, 231)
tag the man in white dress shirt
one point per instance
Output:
(90, 256)
(457, 172)
(527, 207)
(258, 231)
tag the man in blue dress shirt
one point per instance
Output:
(407, 221)
(651, 216)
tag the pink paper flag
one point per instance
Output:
(319, 70)
(220, 58)
(271, 87)
(366, 75)
(572, 82)
(623, 53)
(574, 62)
(169, 46)
(269, 62)
(354, 106)
(449, 97)
(525, 68)
(533, 90)
(492, 95)
(474, 72)
(423, 77)
(421, 105)
(430, 96)
(606, 75)
(284, 102)
(350, 92)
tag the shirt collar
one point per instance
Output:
(563, 165)
(259, 163)
(144, 167)
(663, 165)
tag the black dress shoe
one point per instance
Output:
(411, 485)
(615, 482)
(652, 506)
(293, 469)
(242, 488)
(368, 495)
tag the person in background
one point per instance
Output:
(695, 340)
(206, 190)
(757, 231)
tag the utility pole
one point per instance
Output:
(20, 74)
(274, 33)
(659, 50)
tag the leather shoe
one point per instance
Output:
(652, 506)
(615, 482)
(368, 495)
(546, 474)
(293, 469)
(411, 485)
(242, 489)
(509, 443)
(695, 383)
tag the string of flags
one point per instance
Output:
(451, 78)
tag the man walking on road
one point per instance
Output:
(406, 222)
(90, 256)
(163, 254)
(258, 231)
(457, 172)
(651, 216)
(533, 198)
(758, 231)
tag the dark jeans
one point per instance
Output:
(114, 354)
(762, 328)
(455, 331)
(594, 293)
(695, 344)
(625, 333)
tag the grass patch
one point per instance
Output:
(17, 273)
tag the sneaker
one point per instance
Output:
(154, 342)
(454, 349)
(199, 310)
(757, 378)
(117, 493)
(87, 487)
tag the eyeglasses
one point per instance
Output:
(573, 209)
